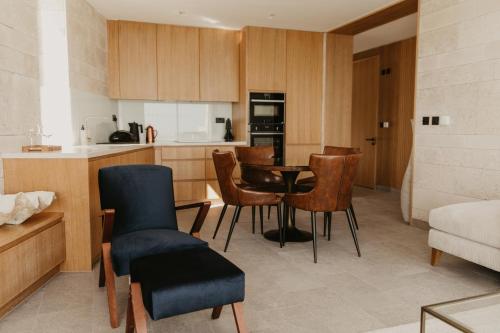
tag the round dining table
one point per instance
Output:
(290, 174)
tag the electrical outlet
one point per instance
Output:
(435, 120)
(425, 120)
(219, 120)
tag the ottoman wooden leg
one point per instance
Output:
(216, 312)
(130, 326)
(238, 317)
(139, 314)
(435, 255)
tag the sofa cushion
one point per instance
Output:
(125, 248)
(478, 221)
(187, 281)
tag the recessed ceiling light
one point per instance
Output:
(181, 12)
(271, 16)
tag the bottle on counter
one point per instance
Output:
(83, 136)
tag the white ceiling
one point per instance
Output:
(312, 15)
(391, 32)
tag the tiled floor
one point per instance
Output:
(285, 290)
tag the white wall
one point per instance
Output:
(458, 76)
(87, 52)
(19, 88)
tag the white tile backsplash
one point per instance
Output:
(177, 121)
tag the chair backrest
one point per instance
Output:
(340, 151)
(328, 171)
(224, 163)
(141, 195)
(350, 171)
(257, 155)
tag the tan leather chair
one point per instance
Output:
(261, 180)
(308, 183)
(238, 195)
(332, 190)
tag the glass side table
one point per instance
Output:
(478, 314)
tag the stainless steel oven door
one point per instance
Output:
(270, 139)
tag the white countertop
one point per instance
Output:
(93, 151)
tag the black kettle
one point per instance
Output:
(134, 129)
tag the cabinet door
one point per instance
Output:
(304, 80)
(113, 60)
(137, 57)
(178, 63)
(219, 65)
(266, 59)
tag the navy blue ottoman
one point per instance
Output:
(181, 282)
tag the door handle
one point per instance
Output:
(372, 140)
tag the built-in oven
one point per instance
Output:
(267, 108)
(267, 122)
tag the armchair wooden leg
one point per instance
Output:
(110, 285)
(435, 256)
(238, 317)
(138, 311)
(216, 312)
(261, 213)
(236, 216)
(221, 217)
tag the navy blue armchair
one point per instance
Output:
(139, 219)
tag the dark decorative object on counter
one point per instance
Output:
(229, 136)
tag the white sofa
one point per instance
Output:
(468, 230)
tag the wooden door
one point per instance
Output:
(178, 63)
(266, 59)
(219, 65)
(137, 59)
(365, 103)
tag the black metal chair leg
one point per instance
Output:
(353, 231)
(351, 208)
(236, 216)
(330, 215)
(220, 220)
(268, 212)
(261, 213)
(286, 212)
(293, 215)
(315, 245)
(253, 219)
(325, 223)
(280, 224)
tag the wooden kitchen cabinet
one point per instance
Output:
(137, 60)
(265, 59)
(219, 65)
(304, 82)
(178, 63)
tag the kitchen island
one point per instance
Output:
(72, 174)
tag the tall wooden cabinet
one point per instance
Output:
(219, 65)
(265, 59)
(304, 93)
(137, 60)
(178, 63)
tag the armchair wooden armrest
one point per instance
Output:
(108, 218)
(204, 207)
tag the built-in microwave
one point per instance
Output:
(267, 108)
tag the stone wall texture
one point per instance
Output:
(458, 76)
(19, 87)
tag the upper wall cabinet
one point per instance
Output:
(265, 59)
(219, 65)
(178, 63)
(137, 72)
(304, 86)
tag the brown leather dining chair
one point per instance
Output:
(261, 180)
(308, 183)
(332, 190)
(238, 195)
